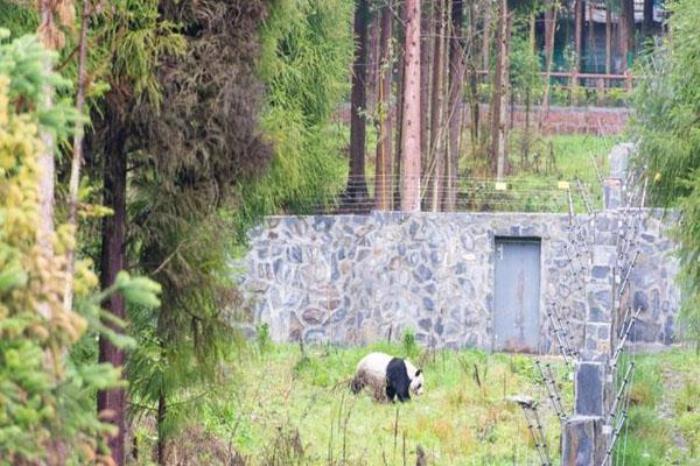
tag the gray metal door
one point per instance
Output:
(517, 296)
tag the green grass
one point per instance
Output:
(282, 402)
(533, 183)
(283, 406)
(664, 414)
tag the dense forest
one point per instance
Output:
(141, 139)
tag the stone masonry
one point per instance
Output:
(355, 279)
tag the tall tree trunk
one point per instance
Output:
(473, 81)
(45, 229)
(608, 40)
(160, 421)
(357, 185)
(626, 31)
(486, 38)
(77, 157)
(399, 105)
(499, 100)
(648, 24)
(111, 262)
(373, 63)
(455, 107)
(578, 37)
(382, 187)
(550, 28)
(426, 83)
(590, 47)
(410, 131)
(437, 123)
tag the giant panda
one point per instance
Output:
(388, 376)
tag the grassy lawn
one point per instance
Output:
(533, 182)
(664, 415)
(285, 398)
(285, 407)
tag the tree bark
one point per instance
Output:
(426, 63)
(77, 157)
(45, 229)
(578, 37)
(455, 107)
(383, 178)
(486, 39)
(373, 63)
(608, 40)
(112, 261)
(626, 32)
(160, 420)
(357, 185)
(648, 23)
(410, 132)
(499, 101)
(437, 123)
(399, 104)
(550, 28)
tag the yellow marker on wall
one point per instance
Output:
(501, 186)
(563, 185)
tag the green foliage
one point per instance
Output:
(307, 50)
(667, 103)
(18, 19)
(46, 400)
(524, 64)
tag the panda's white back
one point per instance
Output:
(374, 366)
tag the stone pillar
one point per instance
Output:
(585, 439)
(582, 442)
(614, 184)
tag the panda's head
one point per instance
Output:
(416, 377)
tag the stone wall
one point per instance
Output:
(354, 279)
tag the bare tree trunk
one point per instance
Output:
(410, 132)
(373, 64)
(160, 420)
(426, 84)
(77, 157)
(437, 124)
(46, 158)
(486, 38)
(473, 81)
(608, 40)
(578, 38)
(499, 101)
(648, 24)
(357, 185)
(112, 261)
(626, 31)
(399, 107)
(550, 27)
(455, 106)
(383, 191)
(590, 47)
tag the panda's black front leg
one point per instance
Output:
(390, 393)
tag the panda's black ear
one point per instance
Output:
(418, 372)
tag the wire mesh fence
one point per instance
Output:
(361, 195)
